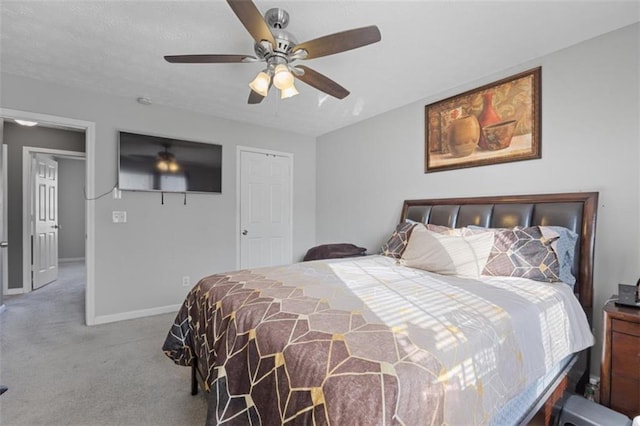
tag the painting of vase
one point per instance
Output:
(508, 115)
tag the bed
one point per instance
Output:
(371, 340)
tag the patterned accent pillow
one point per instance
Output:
(565, 248)
(521, 252)
(398, 240)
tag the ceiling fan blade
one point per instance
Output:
(255, 98)
(340, 42)
(321, 82)
(207, 59)
(252, 20)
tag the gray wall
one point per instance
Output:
(590, 142)
(139, 265)
(16, 137)
(71, 178)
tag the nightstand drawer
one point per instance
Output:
(625, 395)
(626, 327)
(625, 359)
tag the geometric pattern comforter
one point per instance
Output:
(367, 341)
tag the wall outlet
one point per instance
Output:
(186, 281)
(119, 217)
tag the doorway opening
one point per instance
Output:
(88, 181)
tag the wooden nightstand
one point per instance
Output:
(620, 369)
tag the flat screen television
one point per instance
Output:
(153, 163)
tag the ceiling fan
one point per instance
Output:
(279, 50)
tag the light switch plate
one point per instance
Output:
(119, 217)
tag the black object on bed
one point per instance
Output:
(334, 251)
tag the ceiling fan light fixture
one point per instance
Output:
(278, 49)
(174, 167)
(288, 92)
(168, 166)
(166, 162)
(260, 84)
(282, 78)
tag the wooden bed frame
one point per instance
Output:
(575, 211)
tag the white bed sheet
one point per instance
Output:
(516, 410)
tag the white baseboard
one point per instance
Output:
(71, 259)
(104, 319)
(14, 291)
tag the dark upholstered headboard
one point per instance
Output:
(575, 211)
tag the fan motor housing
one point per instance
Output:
(278, 19)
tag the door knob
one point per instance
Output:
(4, 244)
(56, 226)
(245, 232)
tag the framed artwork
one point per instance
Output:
(495, 123)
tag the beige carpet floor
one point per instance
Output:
(61, 372)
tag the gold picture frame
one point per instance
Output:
(496, 123)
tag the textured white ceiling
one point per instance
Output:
(427, 47)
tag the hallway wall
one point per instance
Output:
(71, 210)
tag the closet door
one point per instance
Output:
(265, 209)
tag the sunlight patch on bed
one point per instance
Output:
(447, 316)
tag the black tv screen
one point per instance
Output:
(153, 163)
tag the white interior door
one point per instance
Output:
(45, 219)
(265, 209)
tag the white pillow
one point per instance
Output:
(464, 256)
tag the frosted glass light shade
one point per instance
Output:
(282, 78)
(288, 92)
(260, 84)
